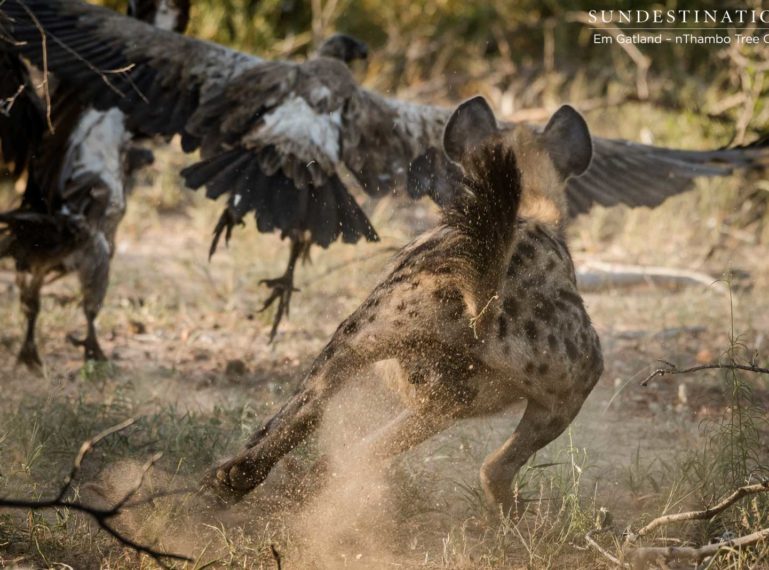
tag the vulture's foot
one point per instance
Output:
(30, 358)
(91, 348)
(282, 288)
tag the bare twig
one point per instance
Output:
(594, 275)
(6, 105)
(643, 556)
(86, 448)
(45, 35)
(642, 62)
(44, 48)
(672, 369)
(102, 516)
(601, 550)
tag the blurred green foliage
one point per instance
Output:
(535, 50)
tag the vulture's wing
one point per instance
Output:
(158, 78)
(621, 172)
(22, 120)
(633, 174)
(381, 138)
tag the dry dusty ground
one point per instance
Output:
(191, 361)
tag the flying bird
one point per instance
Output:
(276, 137)
(77, 176)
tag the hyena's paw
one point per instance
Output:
(229, 482)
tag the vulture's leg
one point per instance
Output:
(30, 303)
(93, 273)
(283, 286)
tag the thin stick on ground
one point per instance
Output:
(699, 515)
(600, 549)
(644, 556)
(102, 516)
(673, 369)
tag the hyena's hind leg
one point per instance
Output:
(30, 286)
(293, 424)
(446, 388)
(93, 273)
(539, 426)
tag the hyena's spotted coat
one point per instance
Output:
(481, 312)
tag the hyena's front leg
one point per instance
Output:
(297, 420)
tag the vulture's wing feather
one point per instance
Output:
(381, 137)
(633, 174)
(621, 172)
(156, 77)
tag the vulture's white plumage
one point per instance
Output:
(275, 136)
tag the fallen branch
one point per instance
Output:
(595, 276)
(642, 557)
(699, 515)
(102, 516)
(672, 369)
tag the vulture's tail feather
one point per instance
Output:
(326, 211)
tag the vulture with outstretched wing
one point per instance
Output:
(275, 136)
(77, 177)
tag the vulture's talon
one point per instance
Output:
(282, 289)
(30, 358)
(91, 348)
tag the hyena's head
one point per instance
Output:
(545, 158)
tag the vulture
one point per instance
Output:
(277, 138)
(78, 172)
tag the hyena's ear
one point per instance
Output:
(469, 125)
(567, 140)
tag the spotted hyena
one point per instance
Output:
(481, 312)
